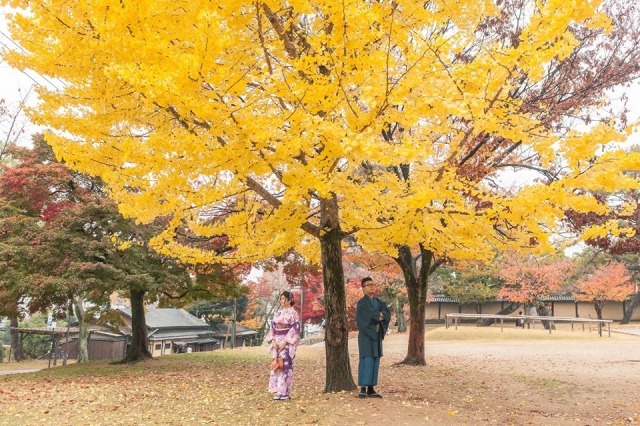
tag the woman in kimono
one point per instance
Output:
(283, 339)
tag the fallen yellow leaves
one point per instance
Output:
(230, 388)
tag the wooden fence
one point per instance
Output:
(529, 319)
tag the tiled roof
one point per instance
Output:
(169, 318)
(442, 299)
(168, 334)
(550, 298)
(559, 298)
(223, 328)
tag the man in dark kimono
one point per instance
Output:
(372, 319)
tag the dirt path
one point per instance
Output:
(2, 373)
(552, 380)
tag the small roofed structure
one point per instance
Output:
(224, 331)
(102, 344)
(57, 335)
(169, 331)
(173, 331)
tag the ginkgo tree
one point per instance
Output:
(626, 249)
(279, 124)
(570, 93)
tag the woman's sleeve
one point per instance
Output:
(293, 336)
(271, 332)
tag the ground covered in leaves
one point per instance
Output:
(474, 376)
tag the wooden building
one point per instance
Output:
(173, 331)
(169, 330)
(559, 306)
(244, 336)
(102, 345)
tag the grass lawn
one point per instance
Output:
(474, 376)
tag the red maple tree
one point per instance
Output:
(528, 280)
(611, 282)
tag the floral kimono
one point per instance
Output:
(284, 327)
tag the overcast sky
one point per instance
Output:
(14, 85)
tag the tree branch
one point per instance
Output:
(545, 172)
(276, 203)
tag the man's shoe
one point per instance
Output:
(362, 395)
(374, 395)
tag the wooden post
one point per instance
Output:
(53, 345)
(55, 350)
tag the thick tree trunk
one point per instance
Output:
(83, 335)
(338, 368)
(635, 301)
(416, 283)
(16, 343)
(598, 308)
(138, 350)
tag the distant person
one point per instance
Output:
(372, 319)
(189, 349)
(284, 337)
(520, 321)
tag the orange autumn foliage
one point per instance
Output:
(610, 282)
(527, 280)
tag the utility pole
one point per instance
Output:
(301, 288)
(66, 346)
(233, 324)
(302, 312)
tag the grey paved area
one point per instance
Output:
(2, 373)
(635, 331)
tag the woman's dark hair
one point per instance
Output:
(288, 295)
